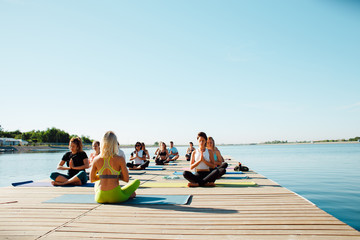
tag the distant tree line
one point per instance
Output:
(338, 140)
(50, 135)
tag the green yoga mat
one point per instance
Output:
(140, 199)
(185, 184)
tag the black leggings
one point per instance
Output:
(160, 161)
(188, 156)
(202, 177)
(222, 169)
(143, 166)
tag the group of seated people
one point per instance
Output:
(108, 166)
(164, 155)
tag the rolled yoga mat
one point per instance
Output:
(46, 184)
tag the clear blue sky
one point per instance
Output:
(241, 71)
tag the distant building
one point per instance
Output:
(12, 142)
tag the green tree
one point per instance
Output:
(86, 139)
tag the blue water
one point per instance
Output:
(326, 174)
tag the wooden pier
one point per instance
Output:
(267, 211)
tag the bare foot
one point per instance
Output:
(57, 183)
(133, 195)
(193, 184)
(209, 184)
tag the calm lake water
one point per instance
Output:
(326, 174)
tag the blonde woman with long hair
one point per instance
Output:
(108, 168)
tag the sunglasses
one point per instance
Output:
(137, 145)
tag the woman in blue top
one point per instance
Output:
(76, 161)
(219, 161)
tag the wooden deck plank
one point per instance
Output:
(268, 211)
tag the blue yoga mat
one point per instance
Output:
(136, 172)
(154, 168)
(140, 199)
(239, 172)
(234, 177)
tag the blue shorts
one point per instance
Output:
(81, 175)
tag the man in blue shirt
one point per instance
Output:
(173, 152)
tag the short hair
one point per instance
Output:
(172, 142)
(202, 134)
(78, 142)
(109, 145)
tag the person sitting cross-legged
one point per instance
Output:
(202, 160)
(108, 168)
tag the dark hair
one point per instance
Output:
(96, 142)
(202, 134)
(172, 142)
(137, 143)
(78, 142)
(191, 143)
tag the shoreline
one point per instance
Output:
(46, 148)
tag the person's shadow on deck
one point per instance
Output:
(187, 208)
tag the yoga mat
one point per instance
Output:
(224, 177)
(47, 184)
(161, 166)
(131, 171)
(234, 177)
(140, 199)
(173, 177)
(21, 183)
(137, 173)
(185, 184)
(234, 172)
(181, 173)
(154, 169)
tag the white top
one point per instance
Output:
(137, 160)
(202, 165)
(122, 154)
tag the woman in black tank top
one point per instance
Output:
(162, 155)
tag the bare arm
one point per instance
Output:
(93, 173)
(219, 157)
(61, 166)
(210, 164)
(147, 154)
(194, 164)
(82, 167)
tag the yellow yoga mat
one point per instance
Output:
(185, 184)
